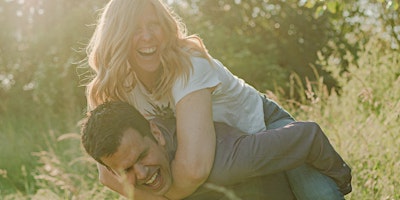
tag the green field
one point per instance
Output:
(42, 157)
(347, 80)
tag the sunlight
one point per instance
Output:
(28, 9)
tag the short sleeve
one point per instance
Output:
(203, 75)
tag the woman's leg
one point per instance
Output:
(306, 182)
(274, 115)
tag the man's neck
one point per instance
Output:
(168, 129)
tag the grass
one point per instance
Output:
(44, 159)
(363, 122)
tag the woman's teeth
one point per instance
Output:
(148, 50)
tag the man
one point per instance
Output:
(117, 136)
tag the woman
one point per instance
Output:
(141, 54)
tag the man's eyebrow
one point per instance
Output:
(143, 154)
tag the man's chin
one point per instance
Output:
(166, 186)
(160, 192)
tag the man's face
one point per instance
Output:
(143, 162)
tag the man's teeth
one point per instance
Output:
(148, 50)
(152, 179)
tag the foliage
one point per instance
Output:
(298, 49)
(260, 41)
(357, 22)
(64, 172)
(363, 121)
(38, 81)
(265, 41)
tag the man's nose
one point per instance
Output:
(141, 172)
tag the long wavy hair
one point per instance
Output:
(110, 48)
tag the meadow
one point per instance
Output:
(362, 121)
(42, 95)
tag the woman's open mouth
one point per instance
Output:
(147, 51)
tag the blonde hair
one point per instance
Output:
(110, 48)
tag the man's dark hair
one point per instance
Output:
(103, 128)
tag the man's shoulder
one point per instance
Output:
(223, 130)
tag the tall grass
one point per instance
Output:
(57, 167)
(361, 119)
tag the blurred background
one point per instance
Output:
(333, 62)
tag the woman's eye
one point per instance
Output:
(137, 31)
(154, 26)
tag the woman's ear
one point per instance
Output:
(158, 135)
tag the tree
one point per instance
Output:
(261, 41)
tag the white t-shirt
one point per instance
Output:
(233, 101)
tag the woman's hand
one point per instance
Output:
(195, 153)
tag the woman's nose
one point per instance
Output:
(146, 33)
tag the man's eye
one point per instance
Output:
(128, 169)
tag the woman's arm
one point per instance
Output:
(196, 143)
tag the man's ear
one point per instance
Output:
(157, 133)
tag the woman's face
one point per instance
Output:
(148, 41)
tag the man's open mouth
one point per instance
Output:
(155, 181)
